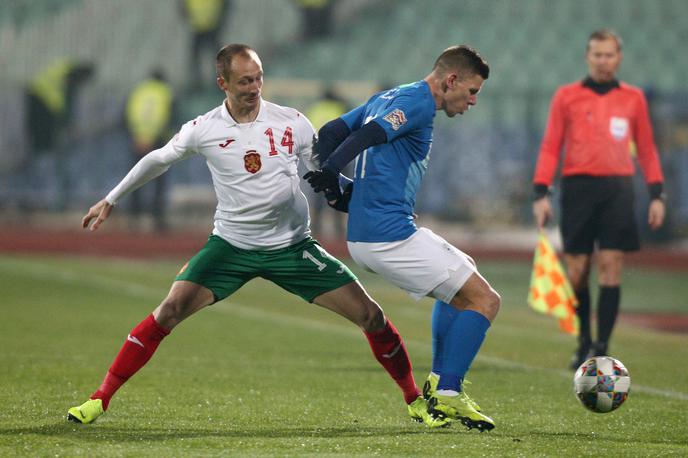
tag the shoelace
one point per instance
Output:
(468, 399)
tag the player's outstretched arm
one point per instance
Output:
(100, 211)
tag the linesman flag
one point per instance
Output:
(550, 291)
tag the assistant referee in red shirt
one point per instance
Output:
(598, 121)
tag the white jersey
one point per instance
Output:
(254, 169)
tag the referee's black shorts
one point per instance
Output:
(598, 210)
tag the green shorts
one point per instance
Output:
(304, 269)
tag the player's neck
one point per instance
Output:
(435, 89)
(242, 114)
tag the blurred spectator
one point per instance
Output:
(316, 18)
(149, 113)
(330, 106)
(50, 100)
(205, 18)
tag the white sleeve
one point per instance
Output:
(155, 163)
(305, 137)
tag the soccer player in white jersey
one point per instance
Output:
(261, 229)
(392, 132)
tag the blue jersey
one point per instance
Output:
(387, 176)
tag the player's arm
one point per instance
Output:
(333, 133)
(648, 159)
(149, 167)
(341, 134)
(307, 150)
(548, 161)
(370, 134)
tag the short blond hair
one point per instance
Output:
(605, 34)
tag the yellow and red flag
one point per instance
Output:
(550, 291)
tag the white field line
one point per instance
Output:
(344, 329)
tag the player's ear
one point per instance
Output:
(452, 78)
(221, 83)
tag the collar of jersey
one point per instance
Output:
(262, 114)
(600, 88)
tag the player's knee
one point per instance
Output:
(171, 311)
(609, 272)
(371, 318)
(492, 304)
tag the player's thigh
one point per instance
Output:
(578, 224)
(220, 267)
(618, 229)
(424, 264)
(306, 269)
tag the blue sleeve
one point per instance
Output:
(354, 118)
(404, 114)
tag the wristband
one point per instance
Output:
(541, 190)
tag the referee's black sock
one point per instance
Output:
(607, 310)
(583, 312)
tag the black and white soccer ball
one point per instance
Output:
(602, 384)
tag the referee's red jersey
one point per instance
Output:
(596, 131)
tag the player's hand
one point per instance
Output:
(656, 213)
(542, 210)
(341, 203)
(323, 180)
(100, 212)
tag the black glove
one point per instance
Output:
(324, 180)
(341, 203)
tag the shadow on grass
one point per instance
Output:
(104, 432)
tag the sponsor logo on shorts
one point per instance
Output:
(396, 118)
(252, 162)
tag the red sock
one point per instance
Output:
(390, 351)
(140, 345)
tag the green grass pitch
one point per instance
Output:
(265, 374)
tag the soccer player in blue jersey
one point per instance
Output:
(390, 137)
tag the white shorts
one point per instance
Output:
(423, 265)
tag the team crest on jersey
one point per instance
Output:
(396, 118)
(252, 162)
(618, 127)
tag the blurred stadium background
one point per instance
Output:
(482, 164)
(263, 348)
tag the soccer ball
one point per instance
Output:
(602, 384)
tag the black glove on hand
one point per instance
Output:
(341, 203)
(324, 180)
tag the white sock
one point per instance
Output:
(447, 392)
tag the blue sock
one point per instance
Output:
(443, 316)
(461, 344)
